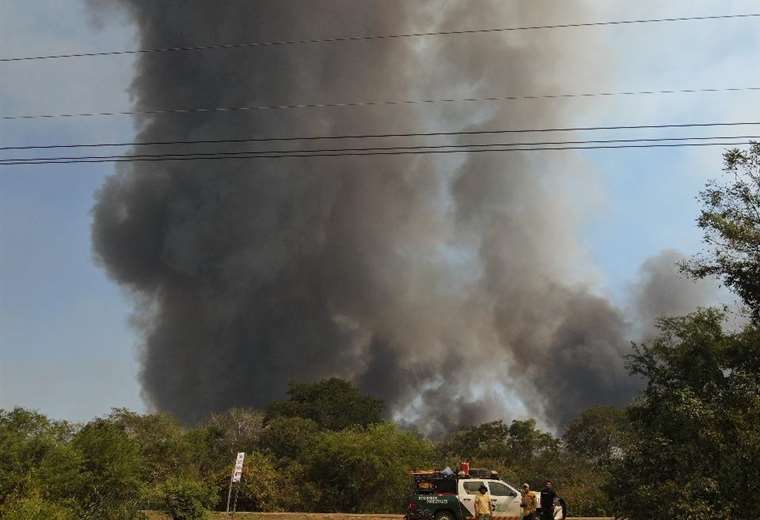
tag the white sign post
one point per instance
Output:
(237, 474)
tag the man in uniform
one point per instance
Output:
(548, 498)
(528, 503)
(483, 506)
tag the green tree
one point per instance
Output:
(363, 470)
(694, 451)
(36, 459)
(597, 434)
(519, 442)
(694, 448)
(110, 483)
(162, 443)
(184, 498)
(730, 220)
(232, 431)
(34, 508)
(269, 486)
(333, 403)
(214, 445)
(526, 441)
(288, 437)
(486, 441)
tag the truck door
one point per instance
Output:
(467, 491)
(506, 500)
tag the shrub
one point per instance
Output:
(34, 508)
(108, 485)
(365, 470)
(184, 499)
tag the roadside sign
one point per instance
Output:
(238, 471)
(237, 474)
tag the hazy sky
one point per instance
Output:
(66, 347)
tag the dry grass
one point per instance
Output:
(285, 516)
(309, 516)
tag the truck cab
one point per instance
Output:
(504, 498)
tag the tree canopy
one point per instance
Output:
(730, 220)
(334, 404)
(694, 445)
(598, 433)
(695, 442)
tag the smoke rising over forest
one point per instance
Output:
(453, 288)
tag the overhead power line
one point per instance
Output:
(370, 103)
(370, 153)
(380, 148)
(370, 37)
(725, 124)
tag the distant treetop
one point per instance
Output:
(334, 404)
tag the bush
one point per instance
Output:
(34, 508)
(30, 443)
(365, 470)
(108, 485)
(184, 499)
(288, 437)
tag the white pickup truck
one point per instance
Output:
(454, 499)
(505, 498)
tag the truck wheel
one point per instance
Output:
(444, 515)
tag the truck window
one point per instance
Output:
(500, 490)
(435, 486)
(473, 487)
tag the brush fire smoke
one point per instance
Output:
(452, 288)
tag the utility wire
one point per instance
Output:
(382, 135)
(356, 104)
(354, 38)
(379, 148)
(395, 153)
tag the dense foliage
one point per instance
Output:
(321, 461)
(184, 499)
(693, 450)
(730, 220)
(334, 404)
(695, 446)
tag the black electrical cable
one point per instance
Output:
(378, 148)
(396, 153)
(354, 38)
(382, 135)
(358, 104)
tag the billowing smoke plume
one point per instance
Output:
(662, 291)
(447, 286)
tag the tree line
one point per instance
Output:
(688, 447)
(324, 449)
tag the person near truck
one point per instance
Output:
(548, 498)
(483, 506)
(528, 503)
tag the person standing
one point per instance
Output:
(483, 506)
(528, 503)
(548, 499)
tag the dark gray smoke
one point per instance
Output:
(452, 288)
(662, 291)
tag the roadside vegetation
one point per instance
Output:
(113, 467)
(687, 448)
